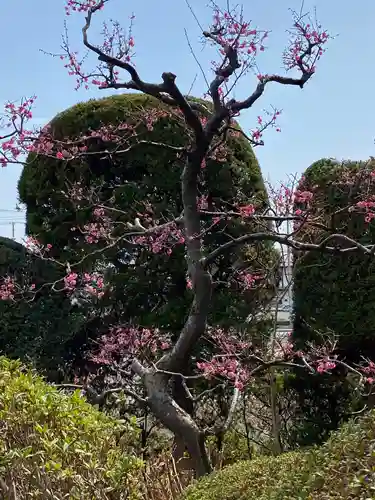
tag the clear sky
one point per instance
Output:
(332, 117)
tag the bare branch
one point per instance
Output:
(297, 245)
(99, 399)
(222, 428)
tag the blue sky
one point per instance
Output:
(332, 117)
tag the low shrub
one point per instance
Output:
(55, 446)
(342, 468)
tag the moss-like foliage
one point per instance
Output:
(145, 179)
(43, 329)
(334, 295)
(58, 446)
(343, 468)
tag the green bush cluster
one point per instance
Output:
(145, 176)
(43, 329)
(153, 292)
(54, 446)
(342, 468)
(334, 295)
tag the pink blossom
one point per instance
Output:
(247, 210)
(7, 288)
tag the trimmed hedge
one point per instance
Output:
(334, 295)
(44, 330)
(155, 288)
(343, 468)
(58, 446)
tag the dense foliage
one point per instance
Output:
(341, 468)
(44, 328)
(144, 181)
(58, 446)
(334, 295)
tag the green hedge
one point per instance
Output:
(334, 295)
(45, 329)
(54, 446)
(343, 468)
(155, 288)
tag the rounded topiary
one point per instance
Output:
(145, 179)
(58, 446)
(340, 469)
(334, 295)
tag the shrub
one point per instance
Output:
(334, 295)
(42, 329)
(342, 468)
(54, 446)
(155, 288)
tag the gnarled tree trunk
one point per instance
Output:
(176, 419)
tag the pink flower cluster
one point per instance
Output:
(163, 239)
(125, 341)
(17, 141)
(82, 6)
(7, 289)
(285, 198)
(228, 368)
(282, 200)
(325, 365)
(116, 44)
(369, 371)
(101, 229)
(263, 124)
(93, 283)
(76, 192)
(302, 196)
(369, 208)
(74, 67)
(247, 280)
(227, 364)
(232, 31)
(305, 47)
(247, 210)
(121, 135)
(34, 245)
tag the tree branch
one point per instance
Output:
(100, 398)
(222, 428)
(297, 245)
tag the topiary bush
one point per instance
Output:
(42, 328)
(54, 446)
(342, 468)
(334, 295)
(145, 179)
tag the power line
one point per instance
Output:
(12, 210)
(2, 223)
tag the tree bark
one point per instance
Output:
(177, 420)
(183, 463)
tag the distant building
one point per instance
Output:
(282, 305)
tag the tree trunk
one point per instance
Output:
(183, 462)
(277, 445)
(177, 420)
